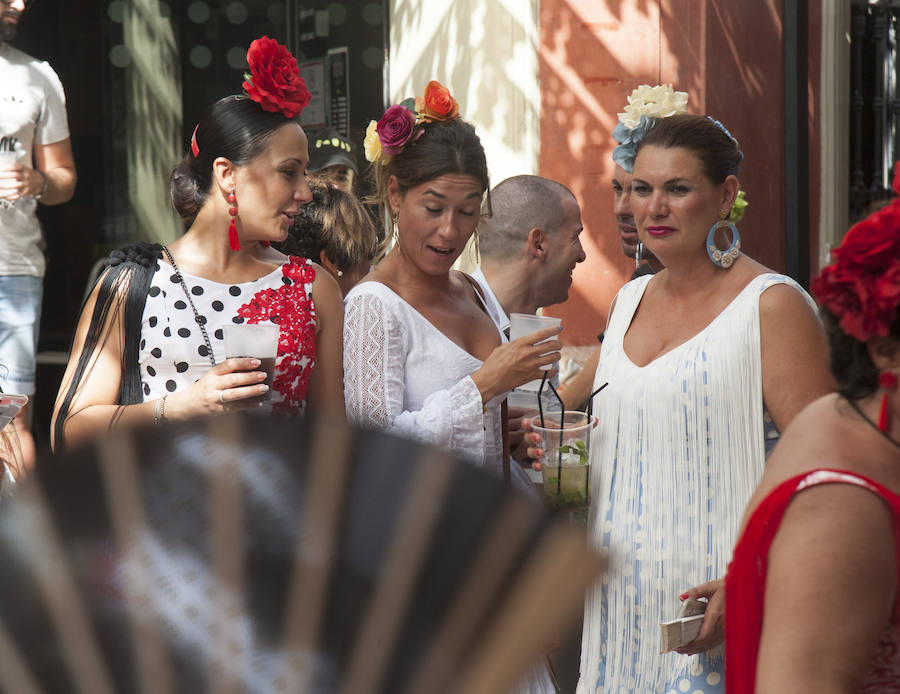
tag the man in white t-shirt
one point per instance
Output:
(36, 165)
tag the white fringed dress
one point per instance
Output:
(677, 452)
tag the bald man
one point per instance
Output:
(529, 242)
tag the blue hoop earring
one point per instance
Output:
(727, 257)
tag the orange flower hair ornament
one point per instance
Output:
(274, 80)
(401, 123)
(862, 287)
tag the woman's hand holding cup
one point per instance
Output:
(517, 362)
(228, 385)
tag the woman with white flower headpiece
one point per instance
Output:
(706, 361)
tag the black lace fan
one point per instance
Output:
(246, 554)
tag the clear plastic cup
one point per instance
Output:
(522, 324)
(7, 158)
(256, 341)
(565, 465)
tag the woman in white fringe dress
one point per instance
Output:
(706, 361)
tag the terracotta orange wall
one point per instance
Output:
(727, 55)
(591, 55)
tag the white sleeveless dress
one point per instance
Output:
(678, 450)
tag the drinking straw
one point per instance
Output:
(590, 402)
(562, 419)
(590, 414)
(540, 404)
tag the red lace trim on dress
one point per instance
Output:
(290, 306)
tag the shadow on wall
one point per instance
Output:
(592, 55)
(495, 85)
(495, 81)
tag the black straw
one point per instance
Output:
(540, 404)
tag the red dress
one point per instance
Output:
(745, 587)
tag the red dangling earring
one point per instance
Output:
(888, 381)
(234, 243)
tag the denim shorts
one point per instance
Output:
(20, 319)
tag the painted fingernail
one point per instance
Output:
(262, 387)
(540, 452)
(256, 362)
(684, 596)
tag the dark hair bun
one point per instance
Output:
(184, 190)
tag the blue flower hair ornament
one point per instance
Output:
(628, 139)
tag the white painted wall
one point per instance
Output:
(486, 52)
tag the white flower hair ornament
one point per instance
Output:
(645, 106)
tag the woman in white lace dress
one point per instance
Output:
(422, 357)
(149, 345)
(705, 361)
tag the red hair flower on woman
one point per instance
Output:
(862, 287)
(437, 104)
(274, 81)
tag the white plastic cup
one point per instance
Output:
(522, 324)
(7, 158)
(255, 341)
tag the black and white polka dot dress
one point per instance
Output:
(173, 354)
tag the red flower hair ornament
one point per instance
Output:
(862, 287)
(274, 81)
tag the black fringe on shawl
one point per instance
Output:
(126, 280)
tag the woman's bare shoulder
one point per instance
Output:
(828, 433)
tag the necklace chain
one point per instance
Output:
(187, 294)
(871, 423)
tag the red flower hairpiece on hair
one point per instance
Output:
(862, 287)
(436, 105)
(274, 81)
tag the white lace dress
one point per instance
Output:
(403, 375)
(678, 450)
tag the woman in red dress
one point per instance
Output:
(812, 589)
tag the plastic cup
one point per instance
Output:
(7, 158)
(522, 324)
(255, 341)
(565, 466)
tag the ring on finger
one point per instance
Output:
(222, 397)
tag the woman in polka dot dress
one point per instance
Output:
(149, 345)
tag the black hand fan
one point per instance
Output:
(261, 554)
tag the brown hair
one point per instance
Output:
(334, 222)
(450, 147)
(717, 150)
